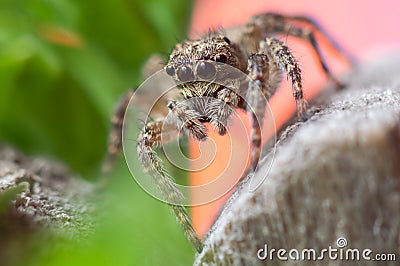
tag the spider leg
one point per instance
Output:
(265, 77)
(115, 136)
(285, 60)
(308, 35)
(317, 28)
(148, 139)
(271, 23)
(188, 118)
(265, 69)
(221, 108)
(153, 64)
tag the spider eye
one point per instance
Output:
(185, 74)
(170, 70)
(221, 58)
(171, 104)
(206, 70)
(226, 40)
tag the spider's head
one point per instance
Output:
(197, 58)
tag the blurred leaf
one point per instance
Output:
(10, 194)
(64, 64)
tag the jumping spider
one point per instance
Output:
(256, 52)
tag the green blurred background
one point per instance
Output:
(63, 66)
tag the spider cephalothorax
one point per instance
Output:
(196, 60)
(212, 48)
(195, 65)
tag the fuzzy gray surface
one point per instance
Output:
(336, 175)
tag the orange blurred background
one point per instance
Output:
(366, 29)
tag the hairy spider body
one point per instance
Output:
(195, 64)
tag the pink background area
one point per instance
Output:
(364, 27)
(367, 29)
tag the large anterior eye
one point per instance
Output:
(205, 70)
(185, 74)
(221, 58)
